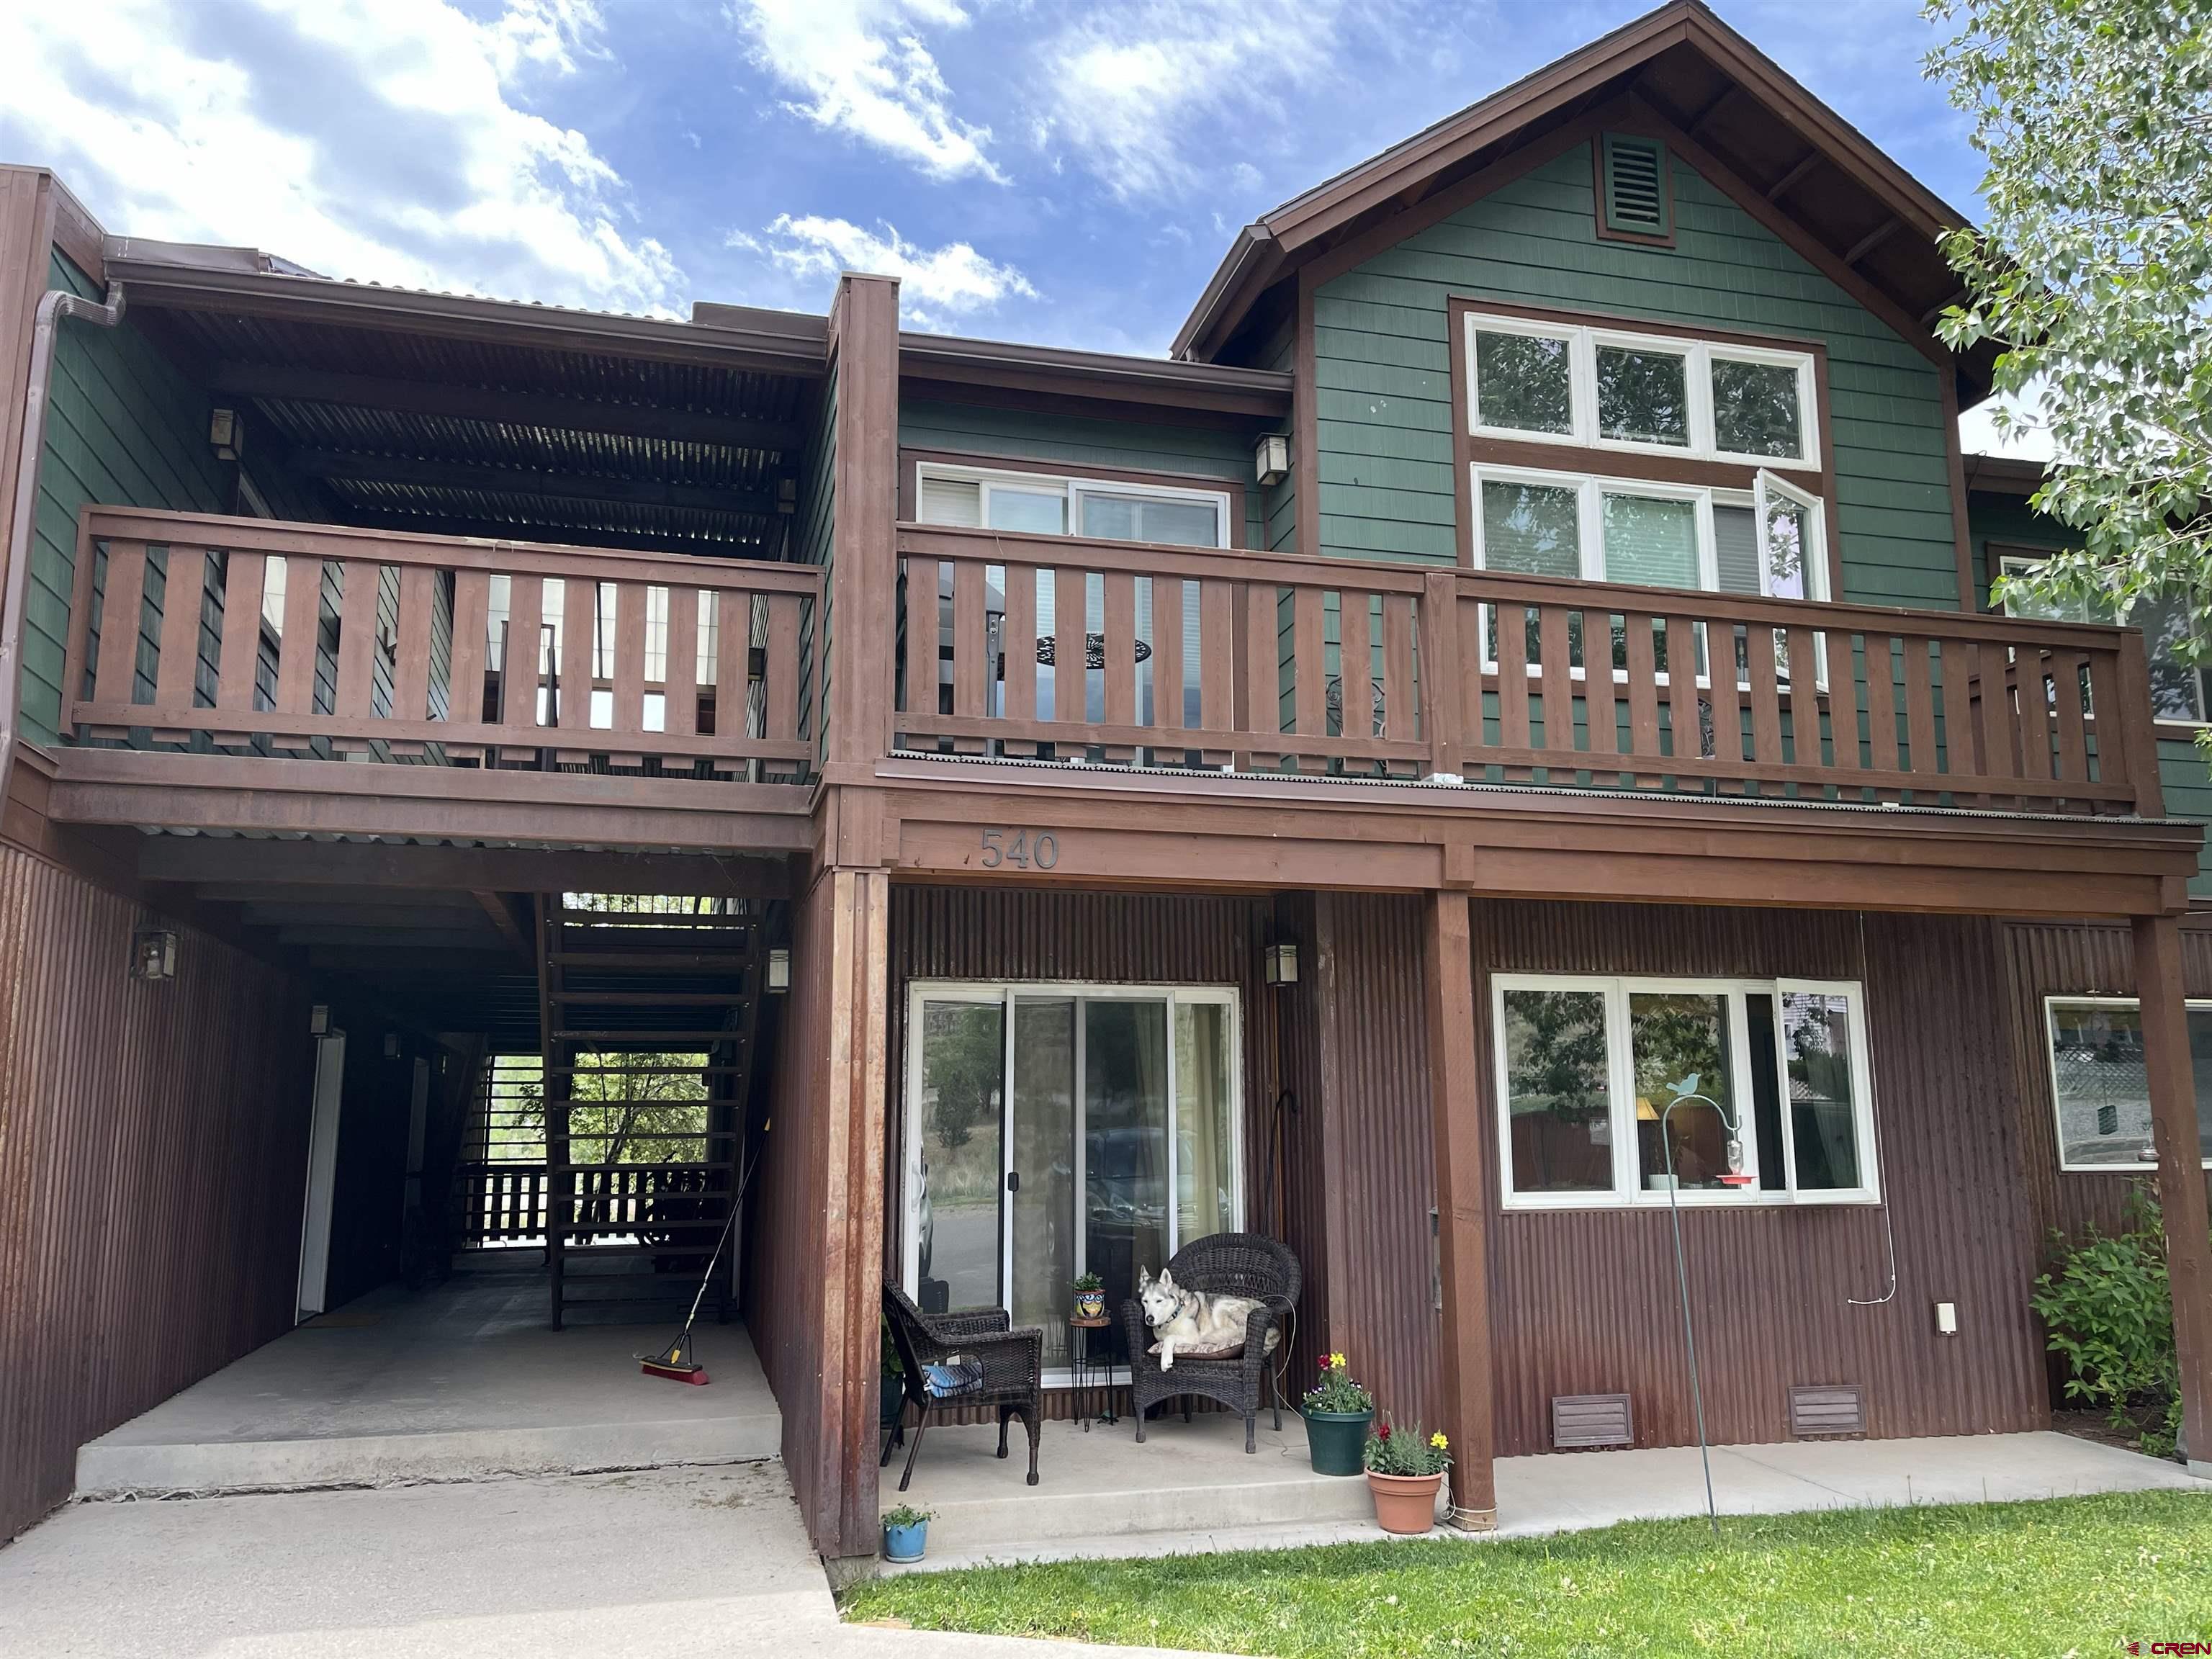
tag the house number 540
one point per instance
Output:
(1042, 850)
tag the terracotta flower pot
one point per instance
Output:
(1405, 1503)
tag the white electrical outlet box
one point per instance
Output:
(1947, 1319)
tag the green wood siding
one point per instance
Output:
(124, 429)
(2183, 771)
(1078, 442)
(1383, 380)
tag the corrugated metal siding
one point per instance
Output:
(1296, 1205)
(1584, 1301)
(2083, 959)
(1385, 396)
(153, 1145)
(782, 1266)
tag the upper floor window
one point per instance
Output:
(1769, 540)
(1606, 388)
(1046, 504)
(2180, 680)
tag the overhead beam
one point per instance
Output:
(347, 467)
(503, 918)
(289, 384)
(1873, 239)
(274, 863)
(1781, 186)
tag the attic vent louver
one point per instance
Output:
(1635, 187)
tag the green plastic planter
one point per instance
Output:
(1337, 1441)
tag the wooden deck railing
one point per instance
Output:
(1199, 658)
(499, 1203)
(392, 643)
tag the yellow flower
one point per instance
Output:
(1336, 1362)
(1438, 1441)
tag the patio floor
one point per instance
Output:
(1191, 1490)
(458, 1381)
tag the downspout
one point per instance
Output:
(56, 305)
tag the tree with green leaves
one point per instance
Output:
(2093, 271)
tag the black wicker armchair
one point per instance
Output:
(964, 1359)
(1227, 1264)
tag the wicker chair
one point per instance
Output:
(977, 1360)
(1227, 1264)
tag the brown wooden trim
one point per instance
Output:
(2181, 1176)
(1828, 490)
(1460, 1128)
(1305, 421)
(1055, 372)
(249, 794)
(272, 867)
(1241, 492)
(1954, 468)
(1792, 232)
(1656, 467)
(1637, 238)
(27, 235)
(1356, 249)
(864, 341)
(1630, 323)
(1023, 400)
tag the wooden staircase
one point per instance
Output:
(649, 1009)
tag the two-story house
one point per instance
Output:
(1501, 733)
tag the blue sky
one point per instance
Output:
(1033, 169)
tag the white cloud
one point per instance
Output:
(864, 70)
(2029, 439)
(935, 284)
(383, 140)
(1133, 87)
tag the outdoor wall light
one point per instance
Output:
(779, 970)
(153, 954)
(318, 1020)
(1280, 964)
(1271, 459)
(225, 433)
(392, 1045)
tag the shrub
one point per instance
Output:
(2109, 1312)
(1393, 1450)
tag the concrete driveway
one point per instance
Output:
(670, 1564)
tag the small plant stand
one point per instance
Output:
(1093, 1370)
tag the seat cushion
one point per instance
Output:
(954, 1378)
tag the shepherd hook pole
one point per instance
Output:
(1682, 1280)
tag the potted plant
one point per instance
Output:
(906, 1533)
(1404, 1471)
(1089, 1297)
(1338, 1412)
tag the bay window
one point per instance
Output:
(2100, 1087)
(1615, 1090)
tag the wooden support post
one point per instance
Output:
(1462, 1211)
(2181, 1189)
(864, 584)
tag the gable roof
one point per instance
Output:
(1726, 108)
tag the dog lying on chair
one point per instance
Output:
(1196, 1320)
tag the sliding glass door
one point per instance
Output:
(1055, 1130)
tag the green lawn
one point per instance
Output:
(2071, 1576)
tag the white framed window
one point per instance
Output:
(1612, 388)
(2180, 680)
(1053, 1129)
(1778, 1110)
(1770, 541)
(1043, 504)
(2100, 1088)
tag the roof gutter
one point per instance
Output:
(21, 525)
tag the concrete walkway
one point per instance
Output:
(670, 1564)
(455, 1382)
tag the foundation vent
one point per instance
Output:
(1817, 1410)
(1580, 1421)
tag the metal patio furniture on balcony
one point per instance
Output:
(970, 1359)
(1226, 1264)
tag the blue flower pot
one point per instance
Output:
(905, 1543)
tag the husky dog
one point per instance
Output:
(1192, 1319)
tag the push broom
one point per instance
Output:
(675, 1362)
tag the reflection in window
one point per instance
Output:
(1643, 395)
(1816, 1047)
(1651, 541)
(1679, 1040)
(1559, 1105)
(1755, 409)
(1532, 529)
(2102, 1089)
(1524, 382)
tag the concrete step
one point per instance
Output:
(1101, 1493)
